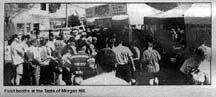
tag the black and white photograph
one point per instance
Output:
(107, 44)
(118, 44)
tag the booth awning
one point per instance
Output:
(196, 13)
(178, 11)
(136, 12)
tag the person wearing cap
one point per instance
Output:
(106, 63)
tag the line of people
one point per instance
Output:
(80, 61)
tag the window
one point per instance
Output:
(20, 28)
(36, 26)
(43, 6)
(28, 27)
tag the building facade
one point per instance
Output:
(30, 20)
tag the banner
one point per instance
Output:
(90, 12)
(106, 10)
(101, 11)
(118, 9)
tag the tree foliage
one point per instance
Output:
(73, 21)
(53, 7)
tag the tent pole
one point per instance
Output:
(130, 31)
(66, 17)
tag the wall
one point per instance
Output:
(33, 15)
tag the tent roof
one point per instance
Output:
(187, 10)
(178, 11)
(196, 13)
(137, 12)
(199, 10)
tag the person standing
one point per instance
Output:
(59, 45)
(124, 60)
(136, 55)
(190, 68)
(205, 64)
(24, 43)
(17, 54)
(34, 58)
(77, 66)
(68, 51)
(106, 61)
(71, 44)
(46, 68)
(151, 60)
(51, 42)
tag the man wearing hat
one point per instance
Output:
(106, 63)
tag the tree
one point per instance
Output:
(73, 21)
(53, 7)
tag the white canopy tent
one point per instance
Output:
(194, 17)
(199, 10)
(136, 12)
(178, 11)
(196, 13)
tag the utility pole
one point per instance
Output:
(66, 17)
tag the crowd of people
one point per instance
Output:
(89, 59)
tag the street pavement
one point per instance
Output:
(167, 76)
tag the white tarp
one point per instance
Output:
(137, 12)
(199, 10)
(178, 11)
(196, 13)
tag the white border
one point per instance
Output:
(111, 91)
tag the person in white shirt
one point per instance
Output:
(51, 42)
(46, 68)
(33, 56)
(24, 43)
(106, 61)
(151, 59)
(191, 64)
(17, 54)
(206, 63)
(206, 50)
(124, 60)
